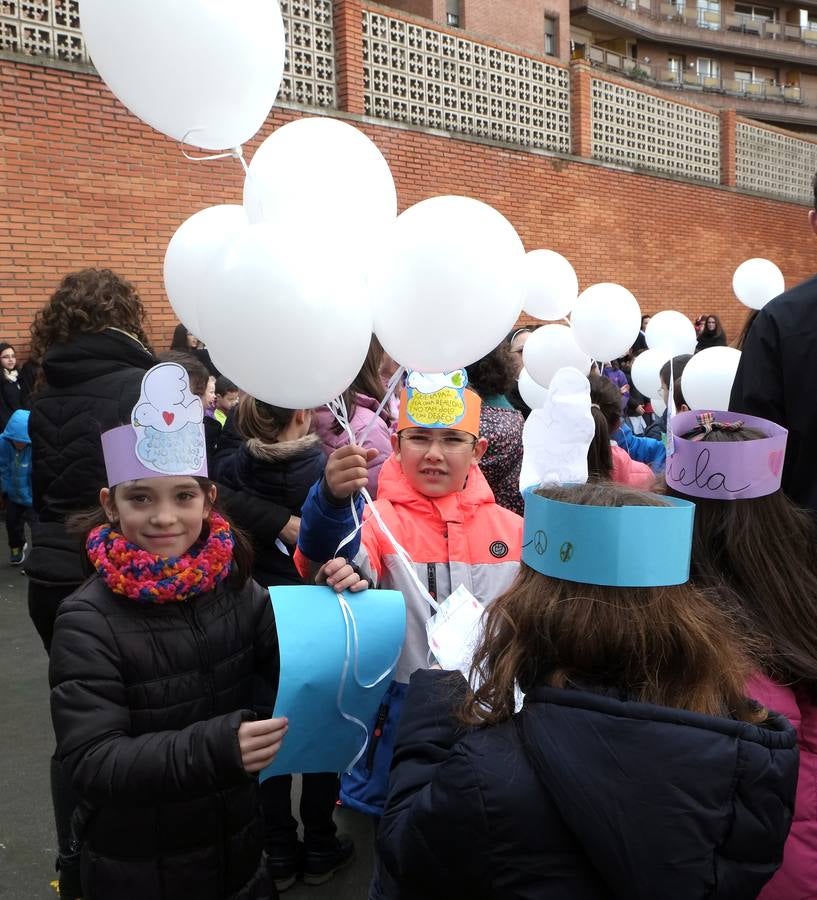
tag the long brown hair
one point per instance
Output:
(760, 554)
(90, 300)
(367, 381)
(605, 407)
(261, 421)
(670, 645)
(82, 523)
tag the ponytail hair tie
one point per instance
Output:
(707, 424)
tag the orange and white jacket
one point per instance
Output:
(462, 538)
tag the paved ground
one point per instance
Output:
(27, 838)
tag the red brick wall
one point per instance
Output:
(518, 22)
(84, 183)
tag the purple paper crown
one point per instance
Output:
(725, 470)
(166, 434)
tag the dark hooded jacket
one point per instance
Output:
(584, 796)
(146, 702)
(263, 478)
(92, 383)
(773, 382)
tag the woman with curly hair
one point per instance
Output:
(91, 340)
(492, 377)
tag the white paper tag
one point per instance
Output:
(454, 631)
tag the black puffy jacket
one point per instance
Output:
(92, 385)
(146, 702)
(596, 798)
(265, 478)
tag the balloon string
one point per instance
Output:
(235, 153)
(353, 645)
(338, 408)
(391, 387)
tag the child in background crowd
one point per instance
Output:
(227, 396)
(10, 385)
(755, 549)
(158, 662)
(628, 771)
(605, 458)
(362, 398)
(436, 503)
(277, 464)
(15, 480)
(501, 424)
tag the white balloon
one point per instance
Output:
(550, 348)
(756, 281)
(645, 371)
(672, 333)
(196, 70)
(606, 320)
(323, 177)
(288, 331)
(446, 283)
(658, 405)
(530, 391)
(709, 376)
(192, 258)
(552, 285)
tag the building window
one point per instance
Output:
(550, 36)
(452, 17)
(758, 13)
(709, 14)
(744, 75)
(707, 68)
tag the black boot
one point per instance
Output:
(321, 861)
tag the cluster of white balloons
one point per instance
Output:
(287, 288)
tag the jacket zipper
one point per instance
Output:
(377, 733)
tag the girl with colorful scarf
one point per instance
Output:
(164, 668)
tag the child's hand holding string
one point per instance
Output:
(347, 470)
(260, 741)
(341, 576)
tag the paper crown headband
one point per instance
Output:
(594, 544)
(439, 400)
(725, 470)
(166, 434)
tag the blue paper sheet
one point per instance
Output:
(312, 637)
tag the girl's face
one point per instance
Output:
(517, 346)
(711, 324)
(8, 359)
(192, 341)
(210, 394)
(163, 515)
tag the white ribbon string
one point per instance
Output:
(338, 409)
(353, 646)
(391, 387)
(235, 153)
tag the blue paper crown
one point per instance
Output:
(623, 546)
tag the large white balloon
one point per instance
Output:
(325, 178)
(645, 371)
(550, 348)
(606, 320)
(672, 333)
(709, 376)
(756, 281)
(447, 283)
(196, 70)
(530, 391)
(658, 405)
(552, 286)
(288, 331)
(192, 259)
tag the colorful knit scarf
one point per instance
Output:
(133, 572)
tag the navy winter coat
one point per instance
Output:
(584, 796)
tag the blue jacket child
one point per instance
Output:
(15, 481)
(15, 459)
(642, 449)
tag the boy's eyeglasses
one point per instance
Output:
(450, 443)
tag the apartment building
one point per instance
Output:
(760, 59)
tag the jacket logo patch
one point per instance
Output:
(499, 549)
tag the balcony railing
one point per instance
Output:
(690, 80)
(722, 20)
